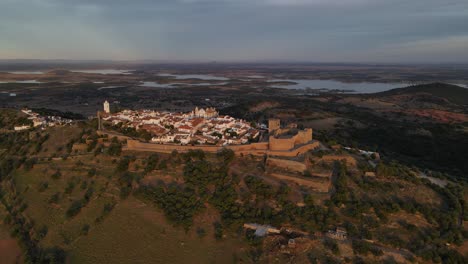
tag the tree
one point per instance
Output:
(115, 149)
(74, 208)
(226, 155)
(151, 163)
(42, 232)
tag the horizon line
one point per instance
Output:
(156, 61)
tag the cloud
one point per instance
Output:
(307, 30)
(282, 2)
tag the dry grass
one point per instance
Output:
(133, 232)
(10, 251)
(138, 233)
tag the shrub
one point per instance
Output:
(42, 232)
(332, 245)
(43, 186)
(74, 208)
(70, 187)
(54, 198)
(85, 230)
(57, 175)
(218, 230)
(92, 172)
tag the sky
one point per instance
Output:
(385, 31)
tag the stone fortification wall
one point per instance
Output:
(295, 152)
(254, 146)
(273, 124)
(166, 148)
(281, 131)
(331, 158)
(303, 136)
(257, 149)
(322, 185)
(287, 164)
(281, 143)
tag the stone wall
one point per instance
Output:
(303, 136)
(257, 149)
(166, 148)
(297, 151)
(287, 164)
(331, 158)
(281, 143)
(273, 124)
(321, 185)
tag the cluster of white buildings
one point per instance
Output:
(42, 121)
(200, 126)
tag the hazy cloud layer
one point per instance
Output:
(236, 30)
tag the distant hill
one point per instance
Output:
(453, 93)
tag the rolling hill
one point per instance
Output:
(453, 93)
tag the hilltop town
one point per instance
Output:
(200, 126)
(206, 130)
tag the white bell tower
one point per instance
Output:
(107, 107)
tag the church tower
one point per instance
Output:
(106, 107)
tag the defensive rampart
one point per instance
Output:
(302, 137)
(287, 164)
(332, 158)
(257, 149)
(320, 185)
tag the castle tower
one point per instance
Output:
(106, 107)
(273, 124)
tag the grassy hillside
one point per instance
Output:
(108, 205)
(453, 93)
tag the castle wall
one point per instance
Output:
(332, 158)
(321, 185)
(257, 149)
(281, 131)
(260, 148)
(303, 136)
(287, 164)
(281, 143)
(273, 124)
(296, 152)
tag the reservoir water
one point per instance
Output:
(175, 85)
(105, 71)
(364, 87)
(26, 72)
(26, 82)
(195, 76)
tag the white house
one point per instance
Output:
(23, 127)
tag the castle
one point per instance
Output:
(284, 139)
(283, 142)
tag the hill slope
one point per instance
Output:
(453, 93)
